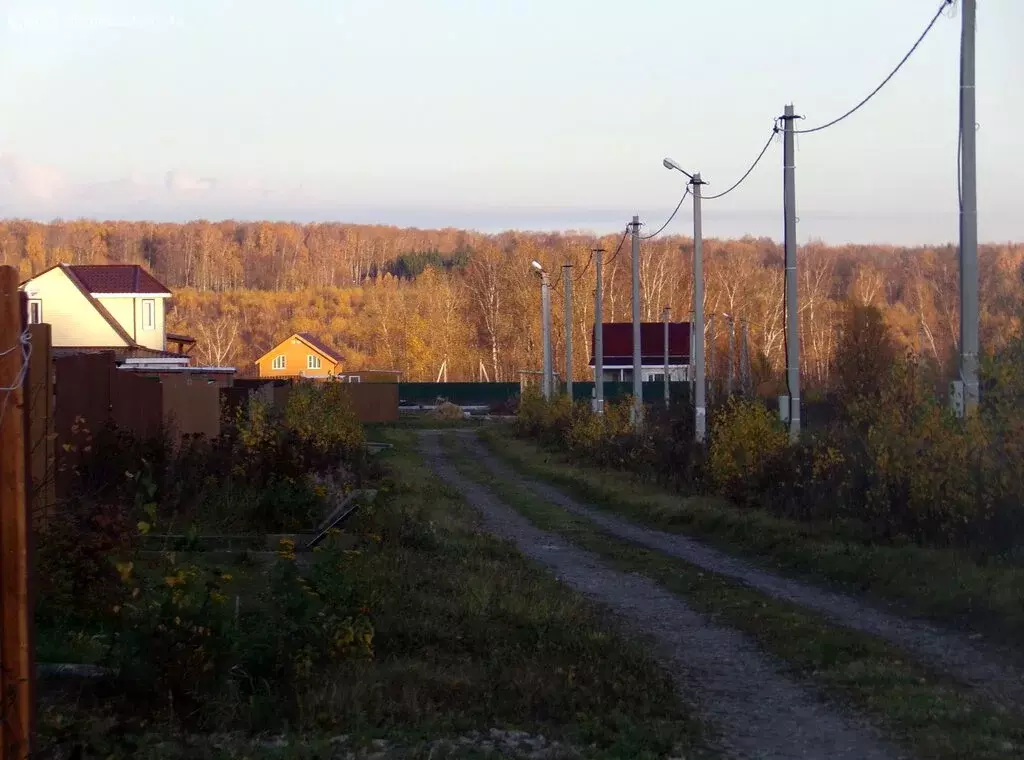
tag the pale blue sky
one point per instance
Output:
(535, 113)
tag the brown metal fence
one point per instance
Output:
(75, 395)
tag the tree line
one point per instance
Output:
(466, 305)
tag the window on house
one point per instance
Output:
(280, 362)
(354, 378)
(35, 312)
(149, 314)
(312, 361)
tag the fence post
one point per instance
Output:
(16, 653)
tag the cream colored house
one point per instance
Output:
(107, 306)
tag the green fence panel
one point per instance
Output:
(654, 392)
(463, 394)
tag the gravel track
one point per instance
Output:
(760, 711)
(996, 674)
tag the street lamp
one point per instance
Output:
(668, 163)
(545, 317)
(697, 328)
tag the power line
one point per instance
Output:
(585, 268)
(673, 216)
(938, 13)
(619, 247)
(775, 131)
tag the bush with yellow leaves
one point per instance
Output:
(321, 413)
(745, 439)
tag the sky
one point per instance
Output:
(495, 114)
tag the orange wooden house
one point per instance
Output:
(300, 355)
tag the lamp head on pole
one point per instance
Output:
(668, 163)
(536, 265)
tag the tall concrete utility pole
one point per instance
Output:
(792, 327)
(666, 315)
(545, 298)
(638, 385)
(567, 276)
(968, 214)
(598, 336)
(700, 393)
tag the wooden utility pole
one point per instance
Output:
(16, 651)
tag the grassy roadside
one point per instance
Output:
(944, 585)
(470, 636)
(931, 714)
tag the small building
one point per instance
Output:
(618, 351)
(105, 307)
(300, 355)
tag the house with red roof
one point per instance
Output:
(617, 339)
(106, 307)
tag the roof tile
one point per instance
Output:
(117, 278)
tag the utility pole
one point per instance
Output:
(968, 215)
(638, 386)
(700, 404)
(665, 315)
(598, 336)
(732, 348)
(567, 276)
(792, 327)
(545, 291)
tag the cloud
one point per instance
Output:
(180, 182)
(21, 178)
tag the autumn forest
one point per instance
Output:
(419, 300)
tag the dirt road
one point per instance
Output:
(759, 711)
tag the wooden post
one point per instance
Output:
(41, 436)
(16, 650)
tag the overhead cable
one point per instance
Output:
(942, 8)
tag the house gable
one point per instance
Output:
(74, 316)
(299, 355)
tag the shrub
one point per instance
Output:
(321, 414)
(745, 437)
(75, 575)
(173, 638)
